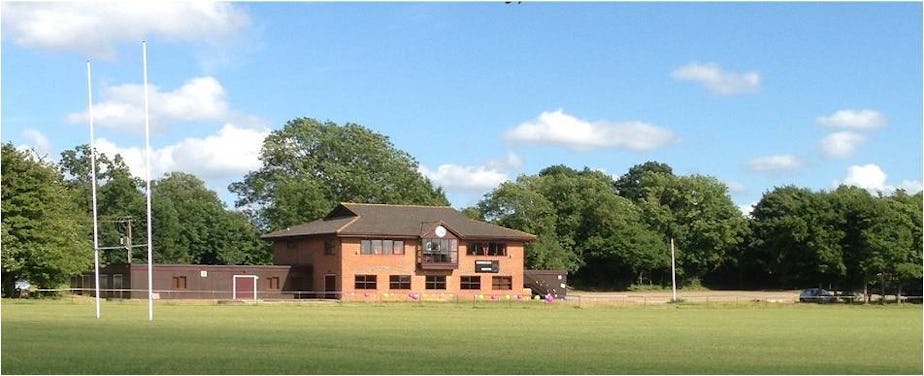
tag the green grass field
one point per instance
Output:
(50, 337)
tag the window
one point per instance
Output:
(382, 247)
(273, 283)
(470, 282)
(330, 246)
(502, 283)
(365, 282)
(486, 249)
(179, 283)
(440, 250)
(436, 282)
(290, 244)
(399, 282)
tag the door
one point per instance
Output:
(117, 285)
(244, 287)
(330, 286)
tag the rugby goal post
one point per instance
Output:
(244, 287)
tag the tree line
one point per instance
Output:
(609, 233)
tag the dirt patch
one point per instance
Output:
(661, 297)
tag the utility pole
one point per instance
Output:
(128, 240)
(673, 274)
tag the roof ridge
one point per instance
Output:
(405, 205)
(356, 218)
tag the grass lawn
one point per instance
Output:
(63, 336)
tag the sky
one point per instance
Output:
(757, 95)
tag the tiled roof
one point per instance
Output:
(350, 219)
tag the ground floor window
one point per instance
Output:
(470, 282)
(399, 282)
(273, 283)
(502, 283)
(436, 282)
(365, 282)
(179, 283)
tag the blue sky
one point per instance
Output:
(757, 95)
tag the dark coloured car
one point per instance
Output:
(816, 295)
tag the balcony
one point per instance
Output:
(438, 260)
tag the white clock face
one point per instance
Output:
(440, 231)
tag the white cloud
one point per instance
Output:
(95, 28)
(35, 141)
(868, 176)
(717, 80)
(911, 186)
(473, 178)
(872, 178)
(854, 119)
(122, 106)
(737, 187)
(559, 128)
(775, 164)
(841, 144)
(231, 152)
(747, 209)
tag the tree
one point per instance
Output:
(879, 236)
(193, 226)
(581, 224)
(44, 240)
(119, 197)
(798, 238)
(698, 213)
(629, 185)
(515, 206)
(309, 167)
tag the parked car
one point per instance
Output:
(816, 295)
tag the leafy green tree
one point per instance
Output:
(195, 227)
(630, 186)
(581, 223)
(44, 240)
(699, 214)
(879, 236)
(911, 207)
(119, 196)
(798, 238)
(515, 206)
(309, 167)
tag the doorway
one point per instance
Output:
(330, 286)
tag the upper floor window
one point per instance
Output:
(486, 249)
(440, 250)
(382, 247)
(330, 245)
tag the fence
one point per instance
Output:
(574, 299)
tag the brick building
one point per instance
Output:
(399, 252)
